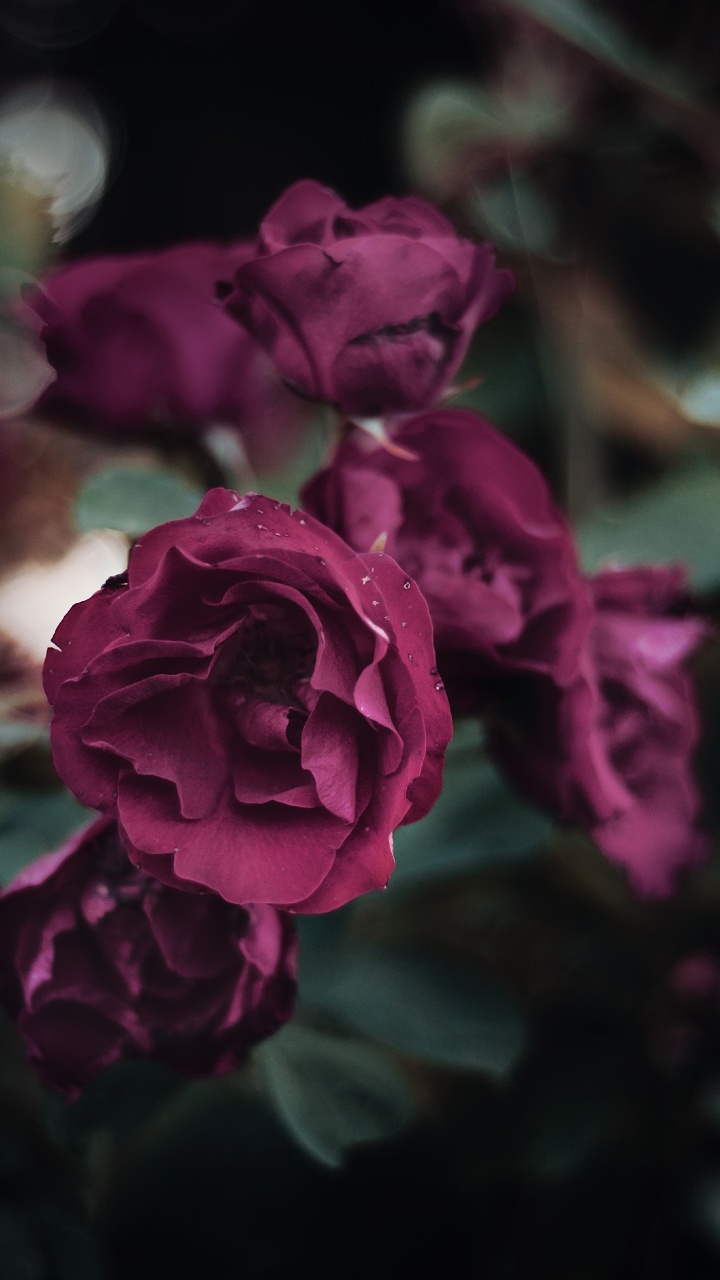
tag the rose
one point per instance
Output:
(138, 342)
(372, 310)
(613, 751)
(471, 519)
(258, 703)
(99, 961)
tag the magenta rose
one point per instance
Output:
(471, 519)
(99, 961)
(613, 752)
(257, 703)
(138, 342)
(373, 309)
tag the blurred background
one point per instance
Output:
(515, 1069)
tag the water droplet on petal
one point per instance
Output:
(433, 671)
(439, 686)
(376, 601)
(407, 585)
(410, 657)
(403, 624)
(263, 527)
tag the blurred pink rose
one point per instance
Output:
(613, 752)
(139, 343)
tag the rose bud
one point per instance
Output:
(259, 705)
(471, 519)
(613, 752)
(139, 343)
(99, 961)
(372, 310)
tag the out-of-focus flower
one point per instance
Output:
(258, 703)
(139, 343)
(371, 310)
(613, 752)
(471, 519)
(99, 961)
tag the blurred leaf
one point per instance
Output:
(334, 1093)
(705, 1207)
(133, 500)
(504, 355)
(16, 735)
(476, 823)
(429, 1008)
(589, 28)
(571, 1118)
(32, 823)
(451, 125)
(678, 519)
(317, 441)
(513, 210)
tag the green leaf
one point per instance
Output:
(429, 1008)
(476, 823)
(334, 1093)
(285, 486)
(32, 823)
(16, 735)
(133, 500)
(589, 28)
(678, 519)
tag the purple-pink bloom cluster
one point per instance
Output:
(266, 694)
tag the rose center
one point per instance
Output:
(273, 654)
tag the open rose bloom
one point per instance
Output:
(258, 704)
(99, 961)
(471, 519)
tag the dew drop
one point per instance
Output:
(407, 585)
(433, 671)
(303, 521)
(403, 624)
(321, 561)
(263, 527)
(439, 686)
(376, 601)
(410, 657)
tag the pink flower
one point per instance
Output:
(472, 521)
(99, 962)
(139, 342)
(613, 752)
(258, 704)
(373, 309)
